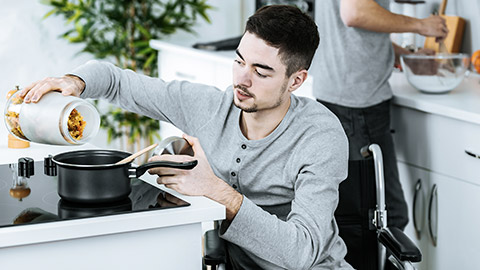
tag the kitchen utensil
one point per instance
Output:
(91, 176)
(447, 68)
(55, 119)
(137, 154)
(456, 27)
(428, 73)
(174, 146)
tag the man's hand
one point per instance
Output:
(68, 85)
(200, 181)
(434, 26)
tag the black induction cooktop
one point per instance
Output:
(34, 199)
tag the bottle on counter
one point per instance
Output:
(55, 119)
(25, 169)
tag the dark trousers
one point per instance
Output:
(364, 126)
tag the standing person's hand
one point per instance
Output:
(434, 26)
(68, 85)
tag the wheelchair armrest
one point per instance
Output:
(213, 248)
(398, 243)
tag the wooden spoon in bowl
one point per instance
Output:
(135, 155)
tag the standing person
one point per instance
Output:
(273, 159)
(351, 70)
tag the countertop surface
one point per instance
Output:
(463, 103)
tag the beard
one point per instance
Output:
(254, 107)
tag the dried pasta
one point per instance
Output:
(76, 125)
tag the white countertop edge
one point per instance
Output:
(220, 56)
(438, 109)
(201, 209)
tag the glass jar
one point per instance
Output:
(54, 119)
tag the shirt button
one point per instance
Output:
(238, 160)
(244, 146)
(233, 174)
(234, 186)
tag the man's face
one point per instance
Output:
(259, 77)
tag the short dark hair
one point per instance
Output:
(290, 30)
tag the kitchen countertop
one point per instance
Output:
(463, 103)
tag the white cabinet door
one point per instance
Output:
(177, 66)
(455, 221)
(447, 218)
(415, 184)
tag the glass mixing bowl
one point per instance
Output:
(440, 73)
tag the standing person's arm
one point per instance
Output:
(369, 15)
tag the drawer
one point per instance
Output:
(437, 143)
(176, 66)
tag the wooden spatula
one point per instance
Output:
(135, 155)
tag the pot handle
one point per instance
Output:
(140, 170)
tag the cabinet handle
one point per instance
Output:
(470, 153)
(186, 76)
(433, 196)
(416, 198)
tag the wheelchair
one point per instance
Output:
(362, 221)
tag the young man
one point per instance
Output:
(273, 159)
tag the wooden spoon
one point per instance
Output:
(133, 156)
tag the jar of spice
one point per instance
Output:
(55, 119)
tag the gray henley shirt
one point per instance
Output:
(289, 179)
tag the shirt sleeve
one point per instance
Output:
(309, 235)
(186, 105)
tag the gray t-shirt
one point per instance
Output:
(352, 66)
(289, 179)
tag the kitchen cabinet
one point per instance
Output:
(436, 138)
(446, 223)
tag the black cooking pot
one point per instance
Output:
(91, 176)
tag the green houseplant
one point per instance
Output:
(120, 31)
